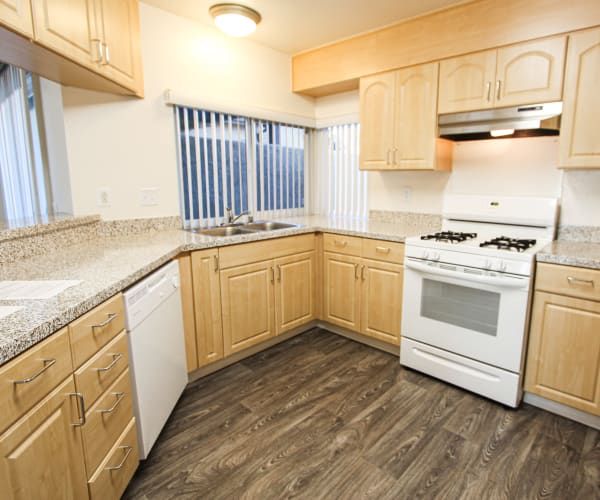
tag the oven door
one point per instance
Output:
(474, 315)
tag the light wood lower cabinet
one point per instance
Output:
(42, 454)
(341, 282)
(247, 305)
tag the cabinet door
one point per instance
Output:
(67, 27)
(118, 24)
(207, 306)
(563, 362)
(294, 291)
(42, 454)
(247, 304)
(466, 82)
(341, 290)
(377, 121)
(16, 15)
(580, 134)
(381, 300)
(416, 118)
(530, 73)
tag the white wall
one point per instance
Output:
(581, 198)
(125, 144)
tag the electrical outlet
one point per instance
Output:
(406, 193)
(148, 197)
(103, 197)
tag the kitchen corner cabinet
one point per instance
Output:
(526, 73)
(16, 15)
(563, 360)
(362, 281)
(579, 133)
(398, 116)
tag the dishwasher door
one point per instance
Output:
(157, 351)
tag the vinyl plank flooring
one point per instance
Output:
(322, 417)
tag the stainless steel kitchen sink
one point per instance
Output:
(269, 225)
(237, 229)
(224, 231)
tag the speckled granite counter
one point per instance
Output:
(109, 265)
(571, 253)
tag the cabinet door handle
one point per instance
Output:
(272, 275)
(120, 397)
(47, 364)
(388, 159)
(99, 46)
(362, 273)
(106, 55)
(580, 281)
(498, 89)
(356, 266)
(116, 358)
(278, 273)
(216, 260)
(127, 453)
(383, 250)
(488, 91)
(111, 317)
(81, 409)
(340, 243)
(395, 151)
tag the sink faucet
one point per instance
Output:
(231, 218)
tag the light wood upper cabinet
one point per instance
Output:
(67, 27)
(563, 361)
(377, 94)
(294, 291)
(207, 306)
(118, 28)
(16, 15)
(580, 134)
(399, 121)
(247, 305)
(341, 295)
(526, 73)
(466, 82)
(42, 454)
(381, 300)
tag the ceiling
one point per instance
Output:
(293, 26)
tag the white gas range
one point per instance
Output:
(467, 292)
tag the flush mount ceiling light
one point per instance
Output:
(234, 19)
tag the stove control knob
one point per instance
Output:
(487, 264)
(502, 266)
(436, 256)
(425, 254)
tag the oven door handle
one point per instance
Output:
(484, 280)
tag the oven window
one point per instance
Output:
(461, 306)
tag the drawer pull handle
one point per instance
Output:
(111, 317)
(383, 249)
(216, 259)
(127, 453)
(120, 397)
(116, 359)
(362, 273)
(573, 280)
(47, 364)
(339, 243)
(81, 408)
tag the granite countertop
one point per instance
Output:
(571, 253)
(107, 266)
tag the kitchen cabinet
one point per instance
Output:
(16, 15)
(579, 133)
(207, 306)
(526, 73)
(563, 362)
(363, 286)
(398, 116)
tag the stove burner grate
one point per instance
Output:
(512, 244)
(450, 236)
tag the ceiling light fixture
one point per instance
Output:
(502, 132)
(234, 19)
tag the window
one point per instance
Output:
(340, 188)
(229, 161)
(24, 181)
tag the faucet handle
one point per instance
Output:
(229, 214)
(250, 218)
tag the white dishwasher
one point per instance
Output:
(157, 351)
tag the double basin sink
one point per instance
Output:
(251, 227)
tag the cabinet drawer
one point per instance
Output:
(116, 470)
(106, 420)
(32, 375)
(348, 245)
(387, 251)
(94, 329)
(566, 280)
(97, 375)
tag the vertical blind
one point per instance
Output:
(340, 188)
(24, 182)
(229, 161)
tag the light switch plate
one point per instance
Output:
(148, 197)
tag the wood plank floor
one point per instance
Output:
(323, 417)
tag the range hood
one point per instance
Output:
(521, 121)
